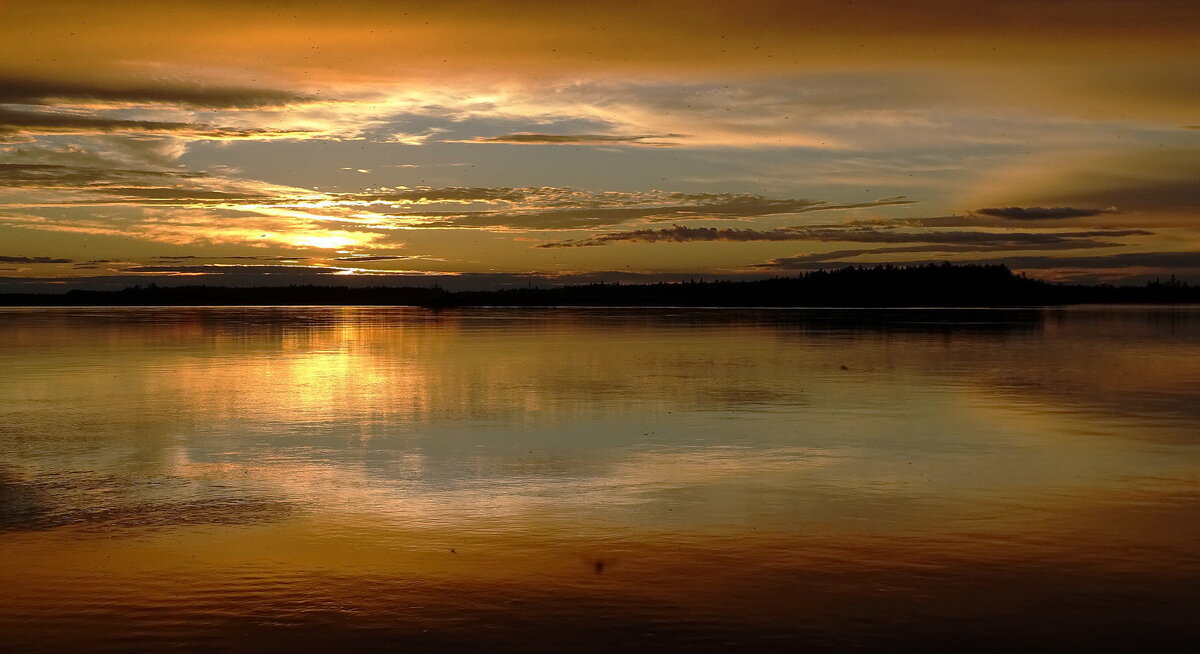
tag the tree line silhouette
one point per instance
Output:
(934, 285)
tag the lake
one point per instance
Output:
(308, 479)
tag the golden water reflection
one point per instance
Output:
(287, 479)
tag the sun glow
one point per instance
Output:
(330, 242)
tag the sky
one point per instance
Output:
(481, 144)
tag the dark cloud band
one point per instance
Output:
(33, 260)
(1041, 213)
(530, 138)
(849, 233)
(45, 92)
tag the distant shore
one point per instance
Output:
(942, 285)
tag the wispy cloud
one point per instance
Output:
(180, 206)
(860, 233)
(222, 270)
(34, 123)
(194, 227)
(531, 138)
(507, 208)
(571, 210)
(1182, 261)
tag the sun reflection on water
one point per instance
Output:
(679, 468)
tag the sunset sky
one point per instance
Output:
(485, 143)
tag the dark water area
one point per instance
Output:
(308, 479)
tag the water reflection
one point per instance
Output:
(302, 478)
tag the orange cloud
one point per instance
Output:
(1122, 56)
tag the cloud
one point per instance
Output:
(59, 175)
(15, 90)
(233, 269)
(862, 233)
(169, 195)
(1148, 184)
(410, 138)
(30, 123)
(172, 206)
(239, 266)
(265, 273)
(53, 106)
(680, 234)
(866, 78)
(1157, 260)
(801, 261)
(455, 194)
(33, 260)
(63, 185)
(530, 138)
(379, 257)
(1042, 213)
(577, 210)
(191, 226)
(363, 40)
(204, 207)
(192, 257)
(177, 206)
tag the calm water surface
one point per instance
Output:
(586, 480)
